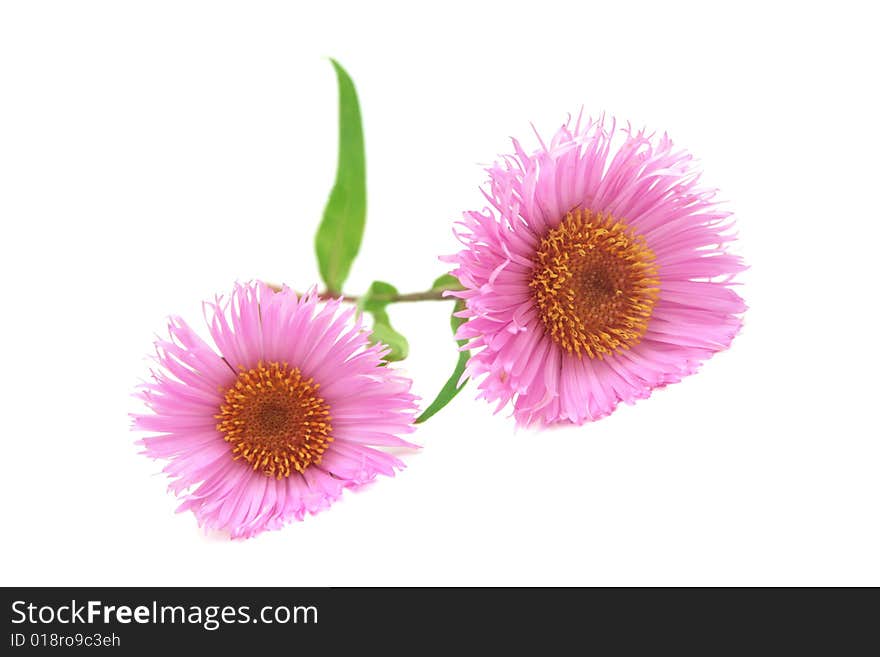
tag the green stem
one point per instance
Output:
(427, 295)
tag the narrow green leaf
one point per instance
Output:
(375, 303)
(452, 386)
(339, 235)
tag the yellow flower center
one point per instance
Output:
(275, 420)
(595, 284)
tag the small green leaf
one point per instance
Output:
(446, 282)
(374, 302)
(452, 386)
(377, 297)
(339, 235)
(383, 332)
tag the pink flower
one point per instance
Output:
(282, 419)
(599, 273)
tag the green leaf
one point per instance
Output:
(339, 235)
(377, 296)
(383, 332)
(375, 302)
(446, 282)
(452, 386)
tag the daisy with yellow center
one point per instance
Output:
(600, 273)
(291, 407)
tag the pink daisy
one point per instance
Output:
(598, 274)
(282, 419)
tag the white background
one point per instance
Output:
(153, 153)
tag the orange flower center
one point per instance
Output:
(595, 284)
(275, 420)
